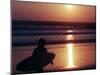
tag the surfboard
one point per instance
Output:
(30, 63)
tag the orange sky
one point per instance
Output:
(52, 12)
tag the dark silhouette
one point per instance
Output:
(40, 55)
(39, 59)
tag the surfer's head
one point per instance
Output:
(41, 42)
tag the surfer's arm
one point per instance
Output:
(52, 63)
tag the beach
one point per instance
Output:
(83, 38)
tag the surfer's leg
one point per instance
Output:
(39, 70)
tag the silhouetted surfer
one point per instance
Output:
(41, 57)
(40, 50)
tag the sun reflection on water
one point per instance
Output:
(70, 49)
(69, 37)
(70, 55)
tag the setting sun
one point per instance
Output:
(69, 7)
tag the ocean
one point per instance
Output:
(58, 35)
